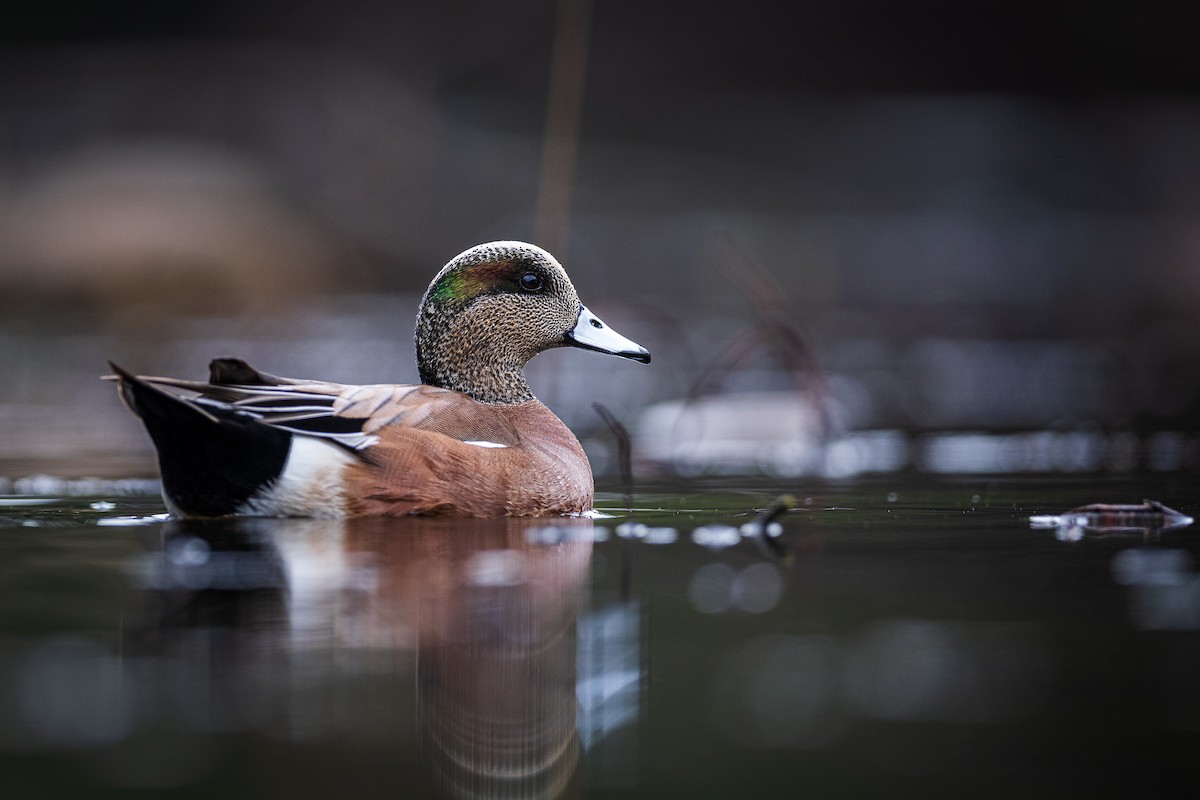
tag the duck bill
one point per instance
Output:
(591, 333)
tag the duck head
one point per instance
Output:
(494, 307)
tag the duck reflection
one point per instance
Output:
(482, 613)
(493, 607)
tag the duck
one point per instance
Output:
(470, 440)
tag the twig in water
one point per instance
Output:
(766, 530)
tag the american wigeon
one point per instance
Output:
(470, 440)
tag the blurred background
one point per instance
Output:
(886, 241)
(857, 236)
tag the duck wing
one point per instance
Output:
(348, 415)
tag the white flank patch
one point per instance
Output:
(310, 485)
(487, 444)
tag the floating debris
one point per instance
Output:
(1150, 516)
(765, 530)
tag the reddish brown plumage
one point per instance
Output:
(419, 470)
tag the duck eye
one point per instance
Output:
(531, 282)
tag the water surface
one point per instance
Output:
(906, 636)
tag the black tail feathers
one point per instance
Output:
(213, 458)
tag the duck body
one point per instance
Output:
(543, 471)
(472, 440)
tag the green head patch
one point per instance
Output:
(463, 283)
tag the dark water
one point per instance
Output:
(901, 637)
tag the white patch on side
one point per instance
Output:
(310, 485)
(486, 444)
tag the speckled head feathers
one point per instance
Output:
(494, 307)
(489, 311)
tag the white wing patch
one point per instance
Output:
(487, 444)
